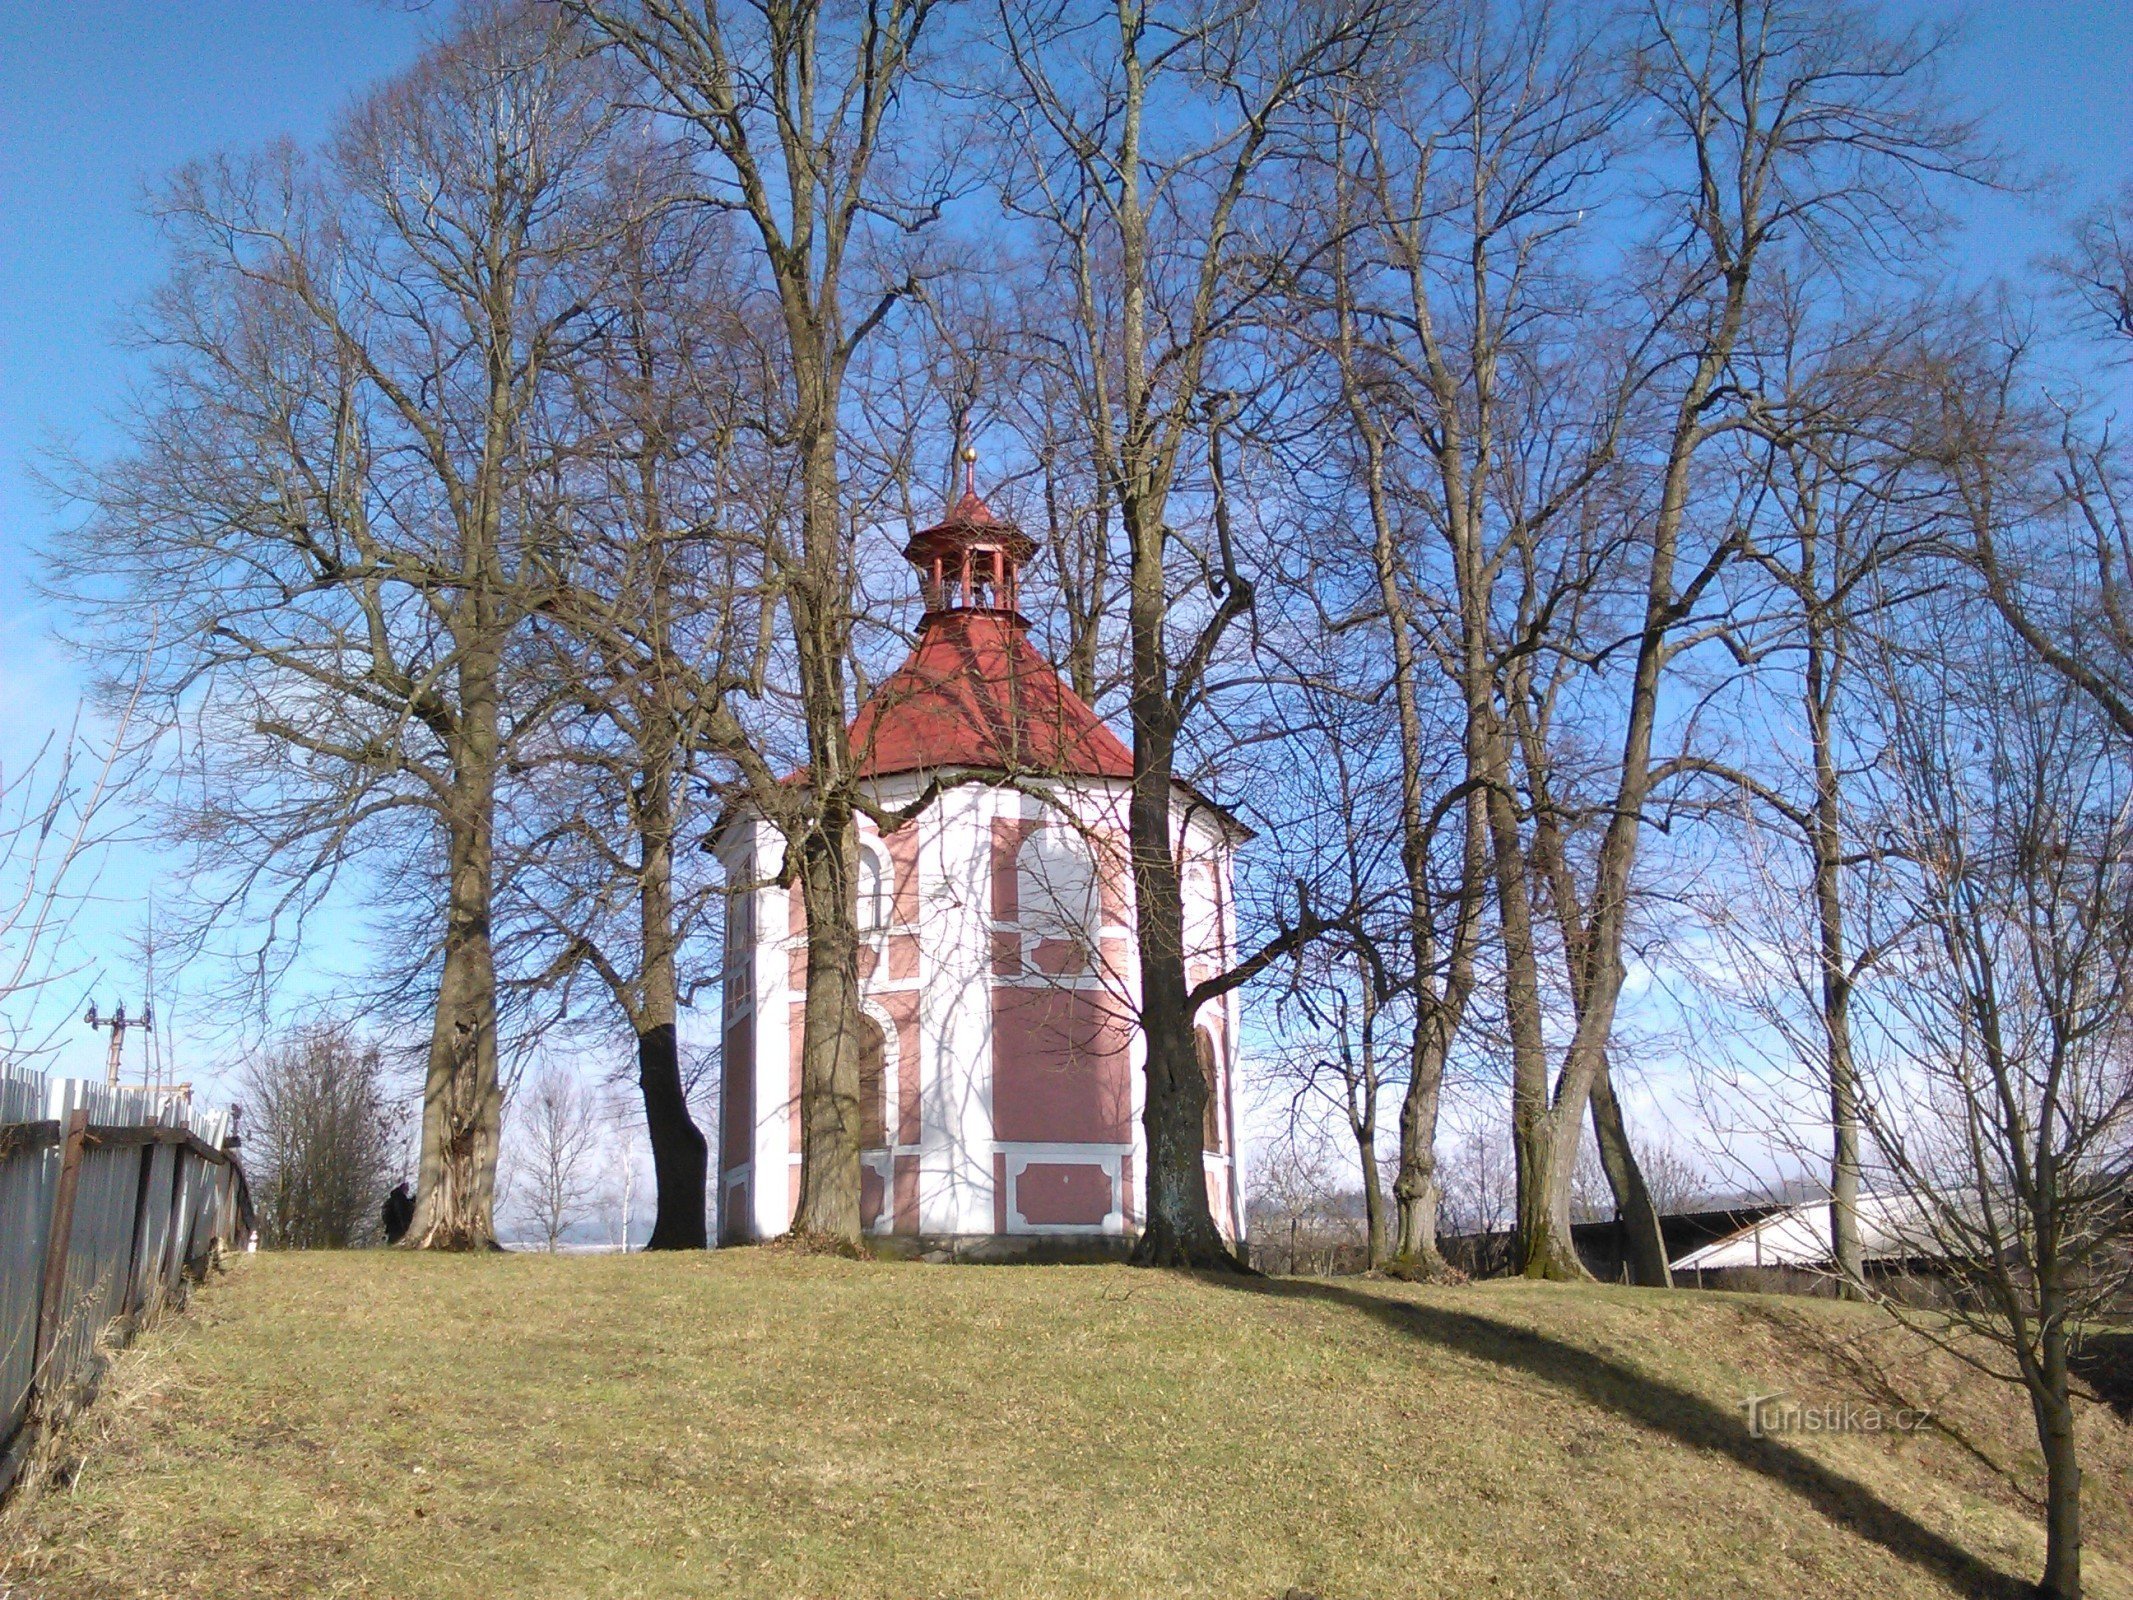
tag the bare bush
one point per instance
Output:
(322, 1139)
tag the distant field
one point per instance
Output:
(750, 1423)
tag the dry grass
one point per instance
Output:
(759, 1424)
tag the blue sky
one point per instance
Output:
(96, 100)
(98, 97)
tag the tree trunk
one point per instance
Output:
(462, 1098)
(1828, 850)
(2062, 1471)
(1544, 1245)
(1541, 1242)
(680, 1153)
(1644, 1243)
(1180, 1229)
(681, 1156)
(1415, 1253)
(1375, 1252)
(830, 1129)
(1362, 1098)
(1437, 1014)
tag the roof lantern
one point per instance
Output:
(970, 560)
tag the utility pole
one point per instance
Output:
(116, 1025)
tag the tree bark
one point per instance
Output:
(681, 1156)
(831, 1133)
(1180, 1229)
(1644, 1242)
(1415, 1190)
(1827, 842)
(462, 1098)
(2062, 1470)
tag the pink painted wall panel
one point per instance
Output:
(1059, 958)
(902, 1007)
(906, 1175)
(736, 1115)
(903, 857)
(903, 957)
(1218, 1202)
(796, 1034)
(1061, 1071)
(1054, 1193)
(1007, 836)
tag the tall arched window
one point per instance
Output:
(1056, 885)
(873, 890)
(1203, 1046)
(1203, 911)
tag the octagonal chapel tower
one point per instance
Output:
(1001, 1065)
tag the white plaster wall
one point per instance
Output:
(955, 984)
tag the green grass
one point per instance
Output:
(752, 1423)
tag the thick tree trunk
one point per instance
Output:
(681, 1157)
(462, 1100)
(1437, 1014)
(680, 1154)
(1415, 1190)
(831, 1133)
(1644, 1243)
(1544, 1246)
(1180, 1229)
(1541, 1242)
(2062, 1471)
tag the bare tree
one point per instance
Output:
(1998, 1094)
(1472, 155)
(322, 1138)
(795, 105)
(655, 632)
(1301, 1220)
(1141, 144)
(1480, 1183)
(556, 1126)
(1784, 131)
(325, 500)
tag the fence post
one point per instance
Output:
(54, 1287)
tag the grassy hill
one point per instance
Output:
(752, 1423)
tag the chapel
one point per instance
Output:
(1001, 1069)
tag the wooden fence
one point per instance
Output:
(108, 1199)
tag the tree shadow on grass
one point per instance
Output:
(2104, 1361)
(1664, 1408)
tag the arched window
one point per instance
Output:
(873, 890)
(873, 1084)
(1203, 1046)
(1203, 909)
(1056, 885)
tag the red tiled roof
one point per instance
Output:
(975, 693)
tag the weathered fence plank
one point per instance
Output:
(52, 1290)
(107, 1200)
